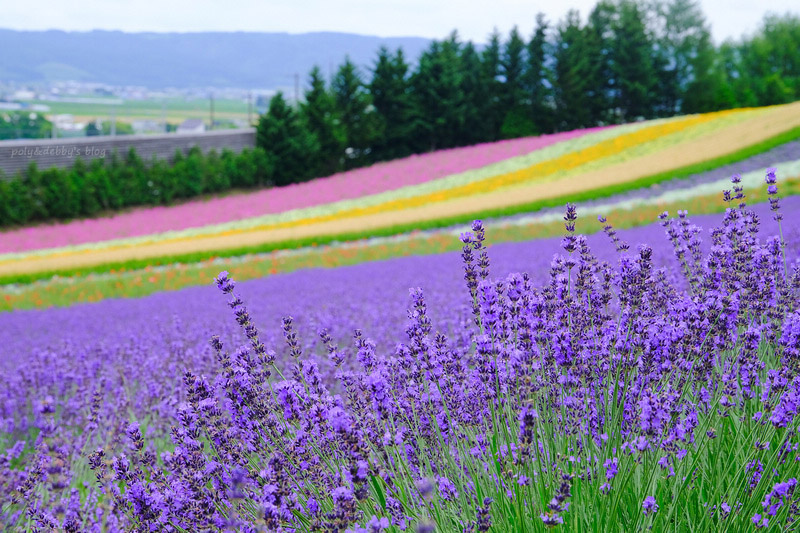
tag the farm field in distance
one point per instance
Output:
(177, 109)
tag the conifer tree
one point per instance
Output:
(514, 99)
(491, 57)
(287, 141)
(322, 121)
(479, 124)
(632, 64)
(538, 79)
(439, 96)
(354, 106)
(391, 95)
(575, 81)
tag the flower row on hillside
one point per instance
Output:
(413, 170)
(125, 283)
(397, 214)
(593, 150)
(355, 190)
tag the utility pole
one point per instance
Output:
(113, 120)
(211, 99)
(249, 109)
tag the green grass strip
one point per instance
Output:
(602, 192)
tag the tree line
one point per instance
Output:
(99, 186)
(24, 124)
(627, 61)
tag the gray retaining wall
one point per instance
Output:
(17, 154)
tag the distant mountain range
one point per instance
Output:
(203, 59)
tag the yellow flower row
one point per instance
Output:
(596, 155)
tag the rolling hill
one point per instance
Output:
(203, 59)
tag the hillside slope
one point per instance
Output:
(157, 60)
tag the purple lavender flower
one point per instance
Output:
(339, 420)
(378, 524)
(569, 242)
(224, 283)
(447, 489)
(484, 517)
(551, 520)
(770, 177)
(778, 496)
(425, 488)
(649, 505)
(772, 192)
(760, 522)
(611, 468)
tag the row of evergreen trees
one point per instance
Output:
(629, 60)
(126, 180)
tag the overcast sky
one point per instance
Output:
(473, 19)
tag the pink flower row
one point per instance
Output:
(377, 178)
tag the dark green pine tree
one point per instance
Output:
(705, 89)
(92, 130)
(600, 42)
(320, 116)
(738, 90)
(632, 64)
(575, 75)
(391, 95)
(685, 60)
(490, 57)
(538, 79)
(354, 106)
(676, 19)
(514, 100)
(439, 97)
(478, 122)
(286, 140)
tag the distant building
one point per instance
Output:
(24, 95)
(192, 125)
(66, 122)
(147, 126)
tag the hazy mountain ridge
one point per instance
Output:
(157, 60)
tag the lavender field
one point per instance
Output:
(623, 381)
